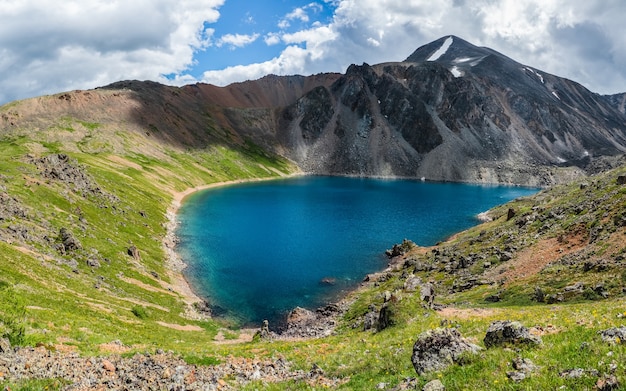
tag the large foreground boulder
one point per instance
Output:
(509, 333)
(436, 349)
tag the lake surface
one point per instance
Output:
(257, 250)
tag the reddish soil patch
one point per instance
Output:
(532, 260)
(466, 313)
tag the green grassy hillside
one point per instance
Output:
(78, 194)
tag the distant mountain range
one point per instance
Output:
(451, 111)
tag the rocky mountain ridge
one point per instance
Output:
(470, 114)
(451, 111)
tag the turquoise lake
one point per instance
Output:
(257, 250)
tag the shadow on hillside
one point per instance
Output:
(175, 115)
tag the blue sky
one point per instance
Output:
(247, 31)
(48, 47)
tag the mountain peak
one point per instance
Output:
(448, 49)
(461, 57)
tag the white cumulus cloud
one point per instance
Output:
(47, 47)
(236, 40)
(584, 40)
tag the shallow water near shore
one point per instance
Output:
(257, 250)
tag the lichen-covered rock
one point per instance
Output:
(412, 283)
(509, 333)
(434, 385)
(614, 334)
(523, 369)
(436, 349)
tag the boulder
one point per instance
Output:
(539, 295)
(510, 214)
(370, 319)
(386, 317)
(133, 251)
(412, 283)
(614, 334)
(300, 316)
(70, 243)
(427, 294)
(437, 349)
(509, 333)
(434, 385)
(523, 368)
(572, 373)
(93, 263)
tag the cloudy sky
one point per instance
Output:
(52, 46)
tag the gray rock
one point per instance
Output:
(516, 376)
(412, 283)
(93, 263)
(400, 249)
(524, 365)
(539, 295)
(611, 335)
(554, 298)
(506, 256)
(434, 385)
(370, 319)
(573, 373)
(436, 349)
(427, 294)
(509, 333)
(576, 287)
(386, 317)
(69, 241)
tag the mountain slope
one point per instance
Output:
(451, 111)
(470, 114)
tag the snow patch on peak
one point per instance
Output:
(472, 61)
(556, 95)
(442, 50)
(456, 71)
(536, 74)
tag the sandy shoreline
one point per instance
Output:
(174, 262)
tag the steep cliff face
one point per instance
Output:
(452, 111)
(618, 101)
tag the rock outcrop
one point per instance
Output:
(436, 349)
(509, 333)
